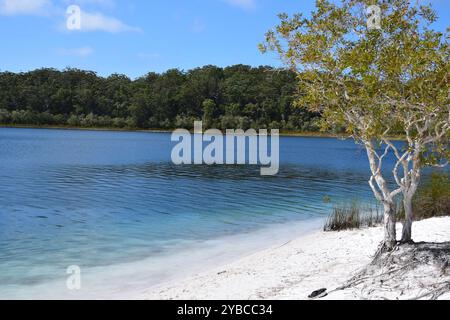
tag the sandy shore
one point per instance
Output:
(300, 266)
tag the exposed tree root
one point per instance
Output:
(408, 271)
(385, 247)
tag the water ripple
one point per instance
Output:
(98, 198)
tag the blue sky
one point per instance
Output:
(137, 36)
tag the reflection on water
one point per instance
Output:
(103, 198)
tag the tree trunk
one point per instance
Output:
(407, 224)
(390, 238)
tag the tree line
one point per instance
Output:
(238, 96)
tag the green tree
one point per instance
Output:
(242, 96)
(208, 112)
(359, 78)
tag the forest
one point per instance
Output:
(238, 96)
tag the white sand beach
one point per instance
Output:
(319, 260)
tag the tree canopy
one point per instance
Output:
(375, 82)
(238, 96)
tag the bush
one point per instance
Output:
(431, 200)
(5, 116)
(131, 122)
(185, 122)
(118, 122)
(74, 120)
(59, 119)
(228, 122)
(165, 124)
(433, 197)
(353, 216)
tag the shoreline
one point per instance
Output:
(282, 134)
(127, 279)
(284, 262)
(298, 267)
(99, 129)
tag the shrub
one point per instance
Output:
(431, 200)
(343, 218)
(74, 120)
(353, 216)
(118, 122)
(433, 197)
(5, 116)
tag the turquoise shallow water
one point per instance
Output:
(113, 200)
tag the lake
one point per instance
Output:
(114, 205)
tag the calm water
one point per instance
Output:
(112, 203)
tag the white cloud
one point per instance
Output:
(243, 4)
(100, 22)
(24, 7)
(81, 52)
(102, 3)
(90, 21)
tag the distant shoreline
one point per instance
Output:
(282, 133)
(287, 134)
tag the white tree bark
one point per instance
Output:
(390, 238)
(422, 129)
(382, 193)
(409, 182)
(412, 179)
(377, 182)
(409, 217)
